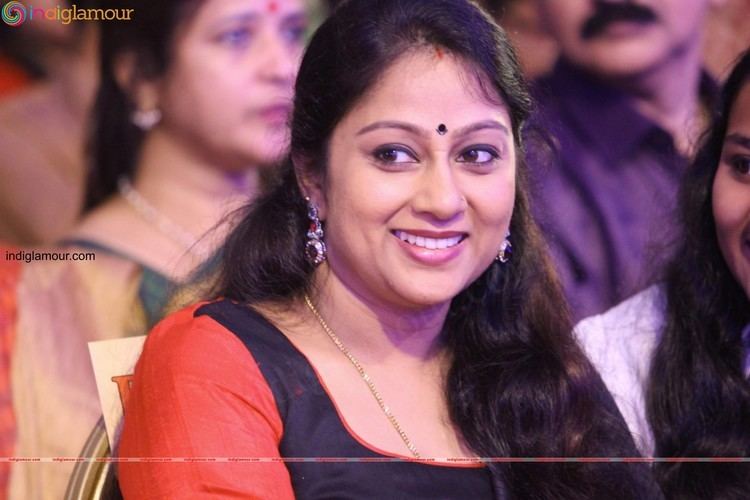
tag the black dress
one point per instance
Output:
(313, 429)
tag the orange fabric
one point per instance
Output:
(12, 78)
(10, 272)
(198, 392)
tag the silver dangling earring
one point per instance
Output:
(315, 248)
(145, 119)
(506, 250)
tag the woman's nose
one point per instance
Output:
(280, 60)
(439, 193)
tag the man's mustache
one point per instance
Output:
(607, 13)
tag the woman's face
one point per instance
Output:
(228, 89)
(413, 216)
(731, 192)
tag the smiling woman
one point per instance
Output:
(677, 356)
(424, 190)
(401, 339)
(731, 192)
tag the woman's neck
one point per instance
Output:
(377, 332)
(669, 95)
(189, 192)
(193, 196)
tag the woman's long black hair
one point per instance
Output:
(518, 386)
(148, 38)
(698, 401)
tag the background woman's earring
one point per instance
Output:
(146, 119)
(315, 248)
(506, 249)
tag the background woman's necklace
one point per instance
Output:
(364, 375)
(152, 215)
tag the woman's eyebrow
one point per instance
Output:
(237, 17)
(739, 139)
(412, 129)
(474, 127)
(295, 17)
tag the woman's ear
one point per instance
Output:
(142, 91)
(311, 184)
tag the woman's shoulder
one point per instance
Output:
(189, 348)
(221, 329)
(226, 343)
(620, 344)
(634, 324)
(186, 334)
(621, 340)
(198, 392)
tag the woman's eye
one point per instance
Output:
(294, 34)
(394, 155)
(478, 156)
(239, 37)
(740, 164)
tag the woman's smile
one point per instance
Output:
(430, 247)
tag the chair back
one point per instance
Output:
(94, 477)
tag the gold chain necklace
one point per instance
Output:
(364, 375)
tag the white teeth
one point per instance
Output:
(429, 243)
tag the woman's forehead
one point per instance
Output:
(432, 82)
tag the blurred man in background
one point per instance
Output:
(624, 103)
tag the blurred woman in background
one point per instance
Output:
(675, 356)
(193, 104)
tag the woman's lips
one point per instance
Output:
(275, 113)
(431, 248)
